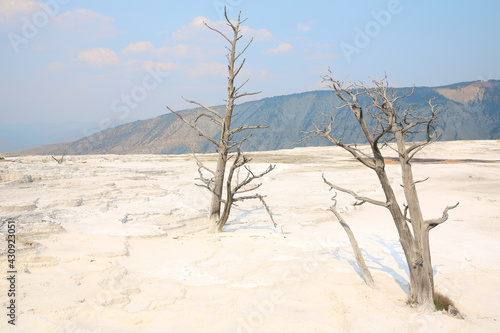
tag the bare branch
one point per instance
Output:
(326, 133)
(200, 164)
(246, 47)
(354, 244)
(246, 190)
(430, 130)
(209, 109)
(236, 72)
(251, 177)
(217, 31)
(239, 161)
(229, 23)
(417, 182)
(246, 127)
(420, 181)
(207, 182)
(246, 94)
(435, 222)
(199, 130)
(365, 156)
(60, 161)
(211, 118)
(406, 214)
(237, 89)
(261, 198)
(351, 102)
(361, 199)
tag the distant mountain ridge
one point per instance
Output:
(470, 111)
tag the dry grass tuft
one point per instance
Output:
(442, 302)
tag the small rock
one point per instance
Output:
(124, 219)
(454, 311)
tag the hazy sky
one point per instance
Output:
(93, 60)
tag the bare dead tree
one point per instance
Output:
(60, 160)
(225, 188)
(385, 123)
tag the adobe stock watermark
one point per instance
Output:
(229, 5)
(372, 29)
(39, 20)
(122, 106)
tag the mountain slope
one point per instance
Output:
(470, 111)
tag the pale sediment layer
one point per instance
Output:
(114, 243)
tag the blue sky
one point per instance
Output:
(101, 60)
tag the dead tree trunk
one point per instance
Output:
(220, 207)
(383, 122)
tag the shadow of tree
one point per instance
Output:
(396, 252)
(235, 225)
(376, 262)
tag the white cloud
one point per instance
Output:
(12, 8)
(306, 27)
(86, 24)
(255, 74)
(67, 27)
(209, 69)
(16, 13)
(147, 47)
(196, 31)
(260, 35)
(198, 70)
(303, 27)
(138, 47)
(178, 50)
(282, 48)
(99, 57)
(144, 64)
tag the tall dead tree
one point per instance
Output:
(228, 190)
(385, 123)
